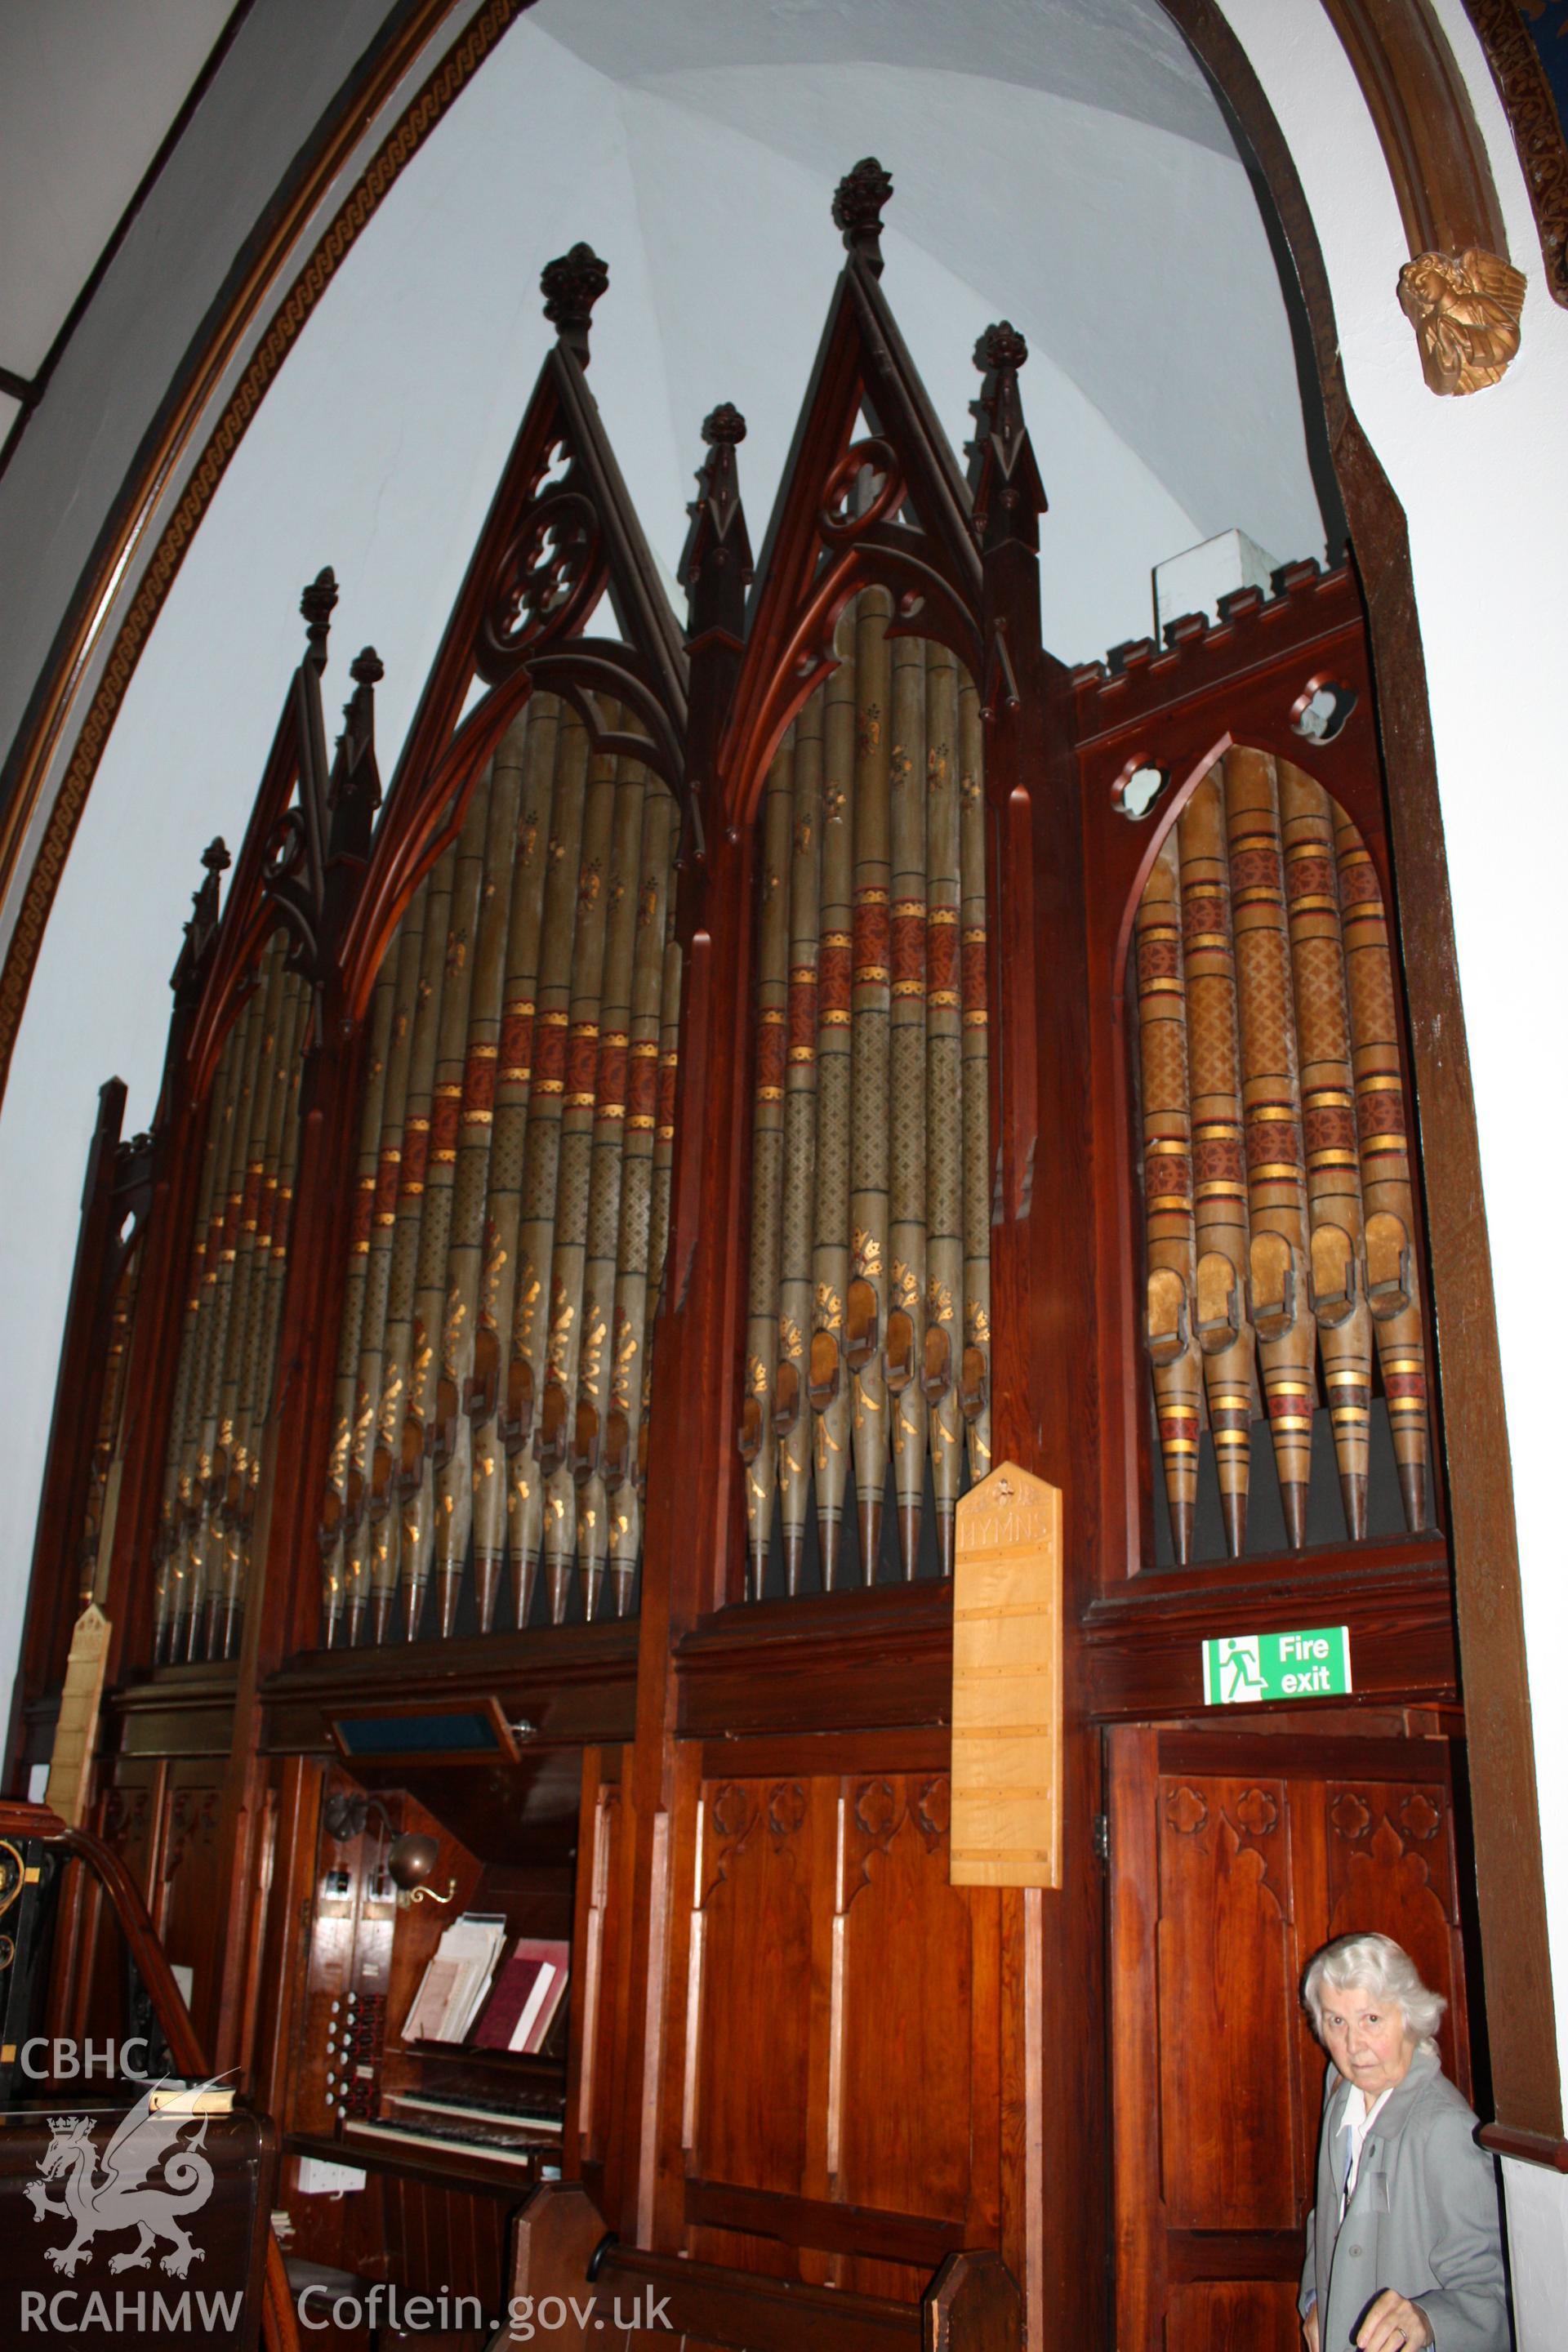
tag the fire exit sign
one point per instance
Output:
(1239, 1667)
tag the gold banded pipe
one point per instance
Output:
(758, 1439)
(1392, 1279)
(941, 1350)
(451, 1451)
(827, 1376)
(866, 1303)
(1223, 1236)
(587, 1436)
(1168, 1188)
(904, 1330)
(792, 1416)
(1329, 1130)
(1272, 1113)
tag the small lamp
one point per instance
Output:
(411, 1856)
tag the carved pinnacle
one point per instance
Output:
(215, 856)
(571, 286)
(1001, 346)
(724, 426)
(367, 668)
(316, 605)
(858, 209)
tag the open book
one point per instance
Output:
(457, 1980)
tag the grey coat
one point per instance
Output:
(1423, 2219)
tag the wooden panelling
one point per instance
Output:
(843, 2017)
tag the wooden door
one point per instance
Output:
(1233, 1857)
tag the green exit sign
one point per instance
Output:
(1242, 1666)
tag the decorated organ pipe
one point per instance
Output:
(868, 1325)
(372, 1562)
(758, 1438)
(906, 1404)
(791, 1412)
(1392, 1288)
(568, 1343)
(942, 1356)
(342, 1514)
(828, 1379)
(257, 1313)
(223, 1374)
(647, 1104)
(1329, 1130)
(393, 1474)
(1168, 1188)
(866, 1303)
(590, 1414)
(1271, 1113)
(1219, 1312)
(497, 1337)
(975, 1376)
(489, 1402)
(451, 1447)
(1292, 1247)
(430, 1295)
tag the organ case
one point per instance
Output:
(742, 1079)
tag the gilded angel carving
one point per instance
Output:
(1465, 310)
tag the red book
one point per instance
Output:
(513, 1989)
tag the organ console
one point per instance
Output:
(610, 1199)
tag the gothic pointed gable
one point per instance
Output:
(309, 831)
(560, 534)
(886, 502)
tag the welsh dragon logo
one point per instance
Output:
(127, 2191)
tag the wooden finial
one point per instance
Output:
(317, 604)
(724, 426)
(367, 668)
(571, 286)
(716, 562)
(1000, 348)
(858, 210)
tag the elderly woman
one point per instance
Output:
(1403, 2243)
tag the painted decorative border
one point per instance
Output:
(420, 117)
(1538, 134)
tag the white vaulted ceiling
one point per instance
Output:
(1058, 162)
(87, 95)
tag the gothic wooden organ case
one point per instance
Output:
(610, 1200)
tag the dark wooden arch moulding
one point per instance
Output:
(1520, 2018)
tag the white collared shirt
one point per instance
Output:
(1355, 2124)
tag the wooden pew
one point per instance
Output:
(563, 2256)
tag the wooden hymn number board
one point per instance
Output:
(1007, 1683)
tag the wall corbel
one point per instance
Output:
(1458, 290)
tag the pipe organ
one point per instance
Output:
(1278, 1217)
(512, 1208)
(869, 1303)
(743, 1085)
(238, 1257)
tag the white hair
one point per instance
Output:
(1379, 1967)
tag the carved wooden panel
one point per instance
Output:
(1225, 1954)
(752, 1944)
(1389, 1849)
(843, 2013)
(189, 1892)
(903, 2109)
